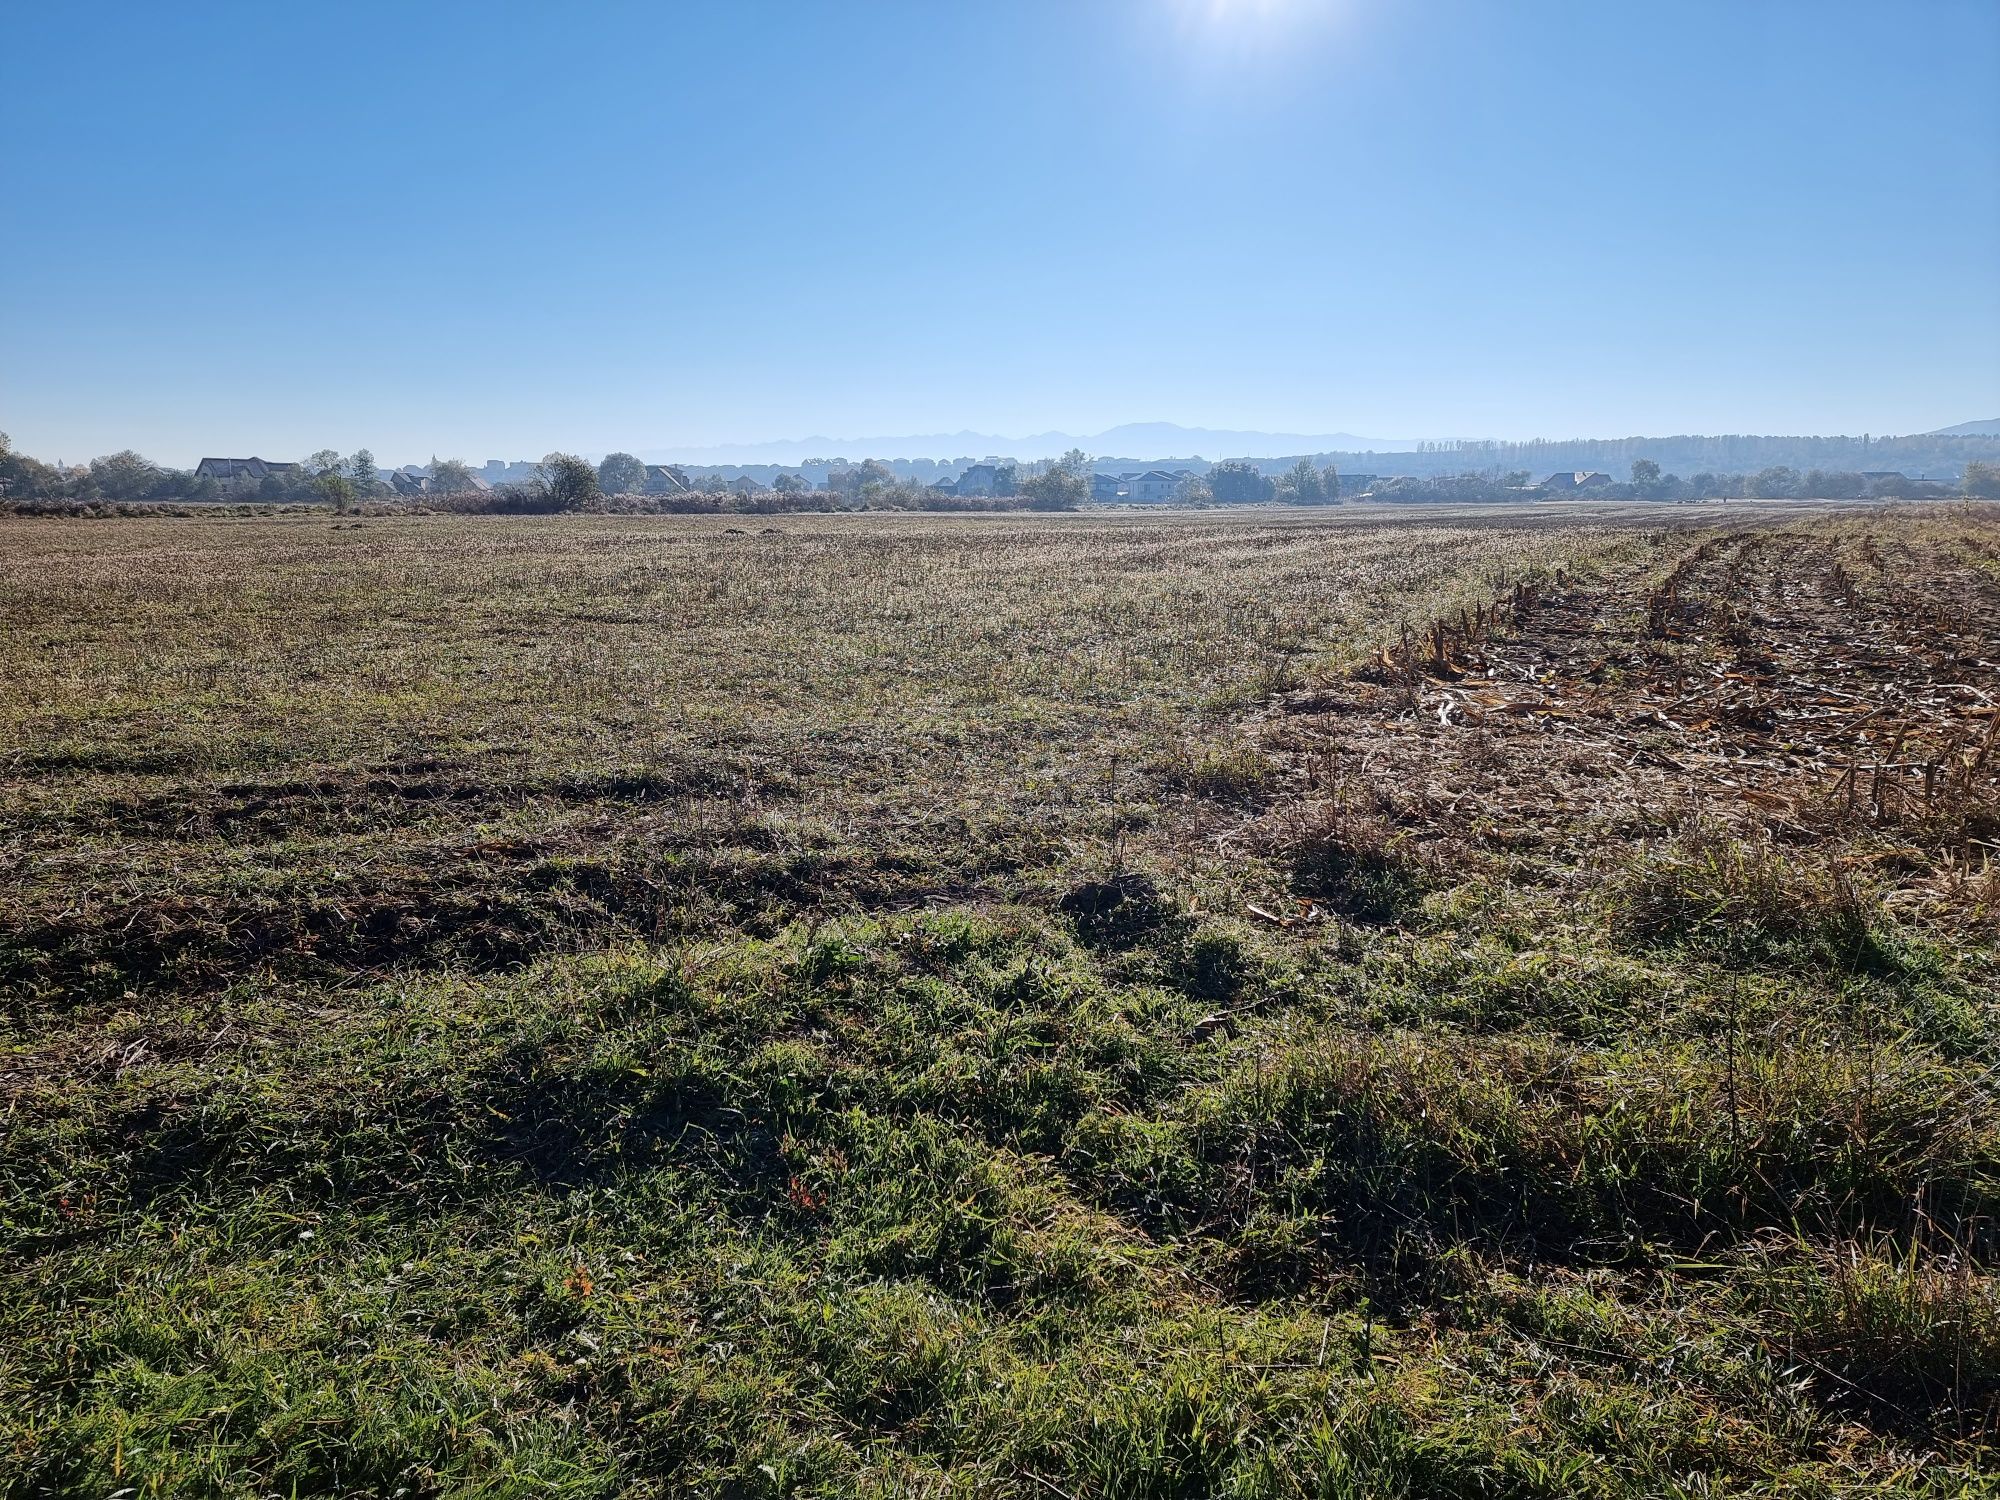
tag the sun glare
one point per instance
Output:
(1236, 10)
(1226, 28)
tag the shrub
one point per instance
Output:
(1056, 489)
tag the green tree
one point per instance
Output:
(1774, 483)
(1982, 480)
(318, 463)
(1645, 476)
(335, 489)
(570, 482)
(22, 477)
(853, 480)
(788, 484)
(621, 474)
(361, 466)
(1235, 482)
(453, 476)
(1834, 484)
(1301, 484)
(1056, 488)
(124, 475)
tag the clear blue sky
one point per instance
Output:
(497, 229)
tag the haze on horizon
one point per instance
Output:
(497, 231)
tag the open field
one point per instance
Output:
(1488, 1002)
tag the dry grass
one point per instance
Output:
(314, 748)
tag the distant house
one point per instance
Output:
(1105, 487)
(666, 479)
(945, 486)
(494, 472)
(987, 479)
(1156, 485)
(1357, 484)
(743, 484)
(1579, 479)
(244, 473)
(417, 482)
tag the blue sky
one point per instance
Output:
(497, 229)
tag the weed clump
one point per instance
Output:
(1242, 774)
(1212, 965)
(1119, 912)
(1905, 1335)
(1355, 863)
(1712, 890)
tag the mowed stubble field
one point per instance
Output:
(1452, 1003)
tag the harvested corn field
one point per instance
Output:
(1835, 687)
(1488, 1003)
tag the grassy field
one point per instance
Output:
(1277, 1004)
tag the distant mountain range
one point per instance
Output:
(1139, 445)
(1148, 440)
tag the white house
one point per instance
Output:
(1155, 485)
(1578, 479)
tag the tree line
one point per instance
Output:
(343, 481)
(567, 482)
(560, 482)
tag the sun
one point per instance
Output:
(1254, 24)
(1243, 12)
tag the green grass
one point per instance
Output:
(599, 1007)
